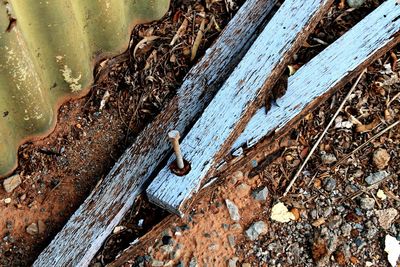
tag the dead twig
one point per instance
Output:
(393, 99)
(323, 134)
(367, 189)
(366, 143)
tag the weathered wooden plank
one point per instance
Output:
(237, 100)
(388, 39)
(380, 40)
(84, 233)
(326, 72)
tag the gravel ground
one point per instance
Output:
(344, 204)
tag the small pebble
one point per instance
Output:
(376, 177)
(254, 163)
(7, 200)
(255, 230)
(359, 242)
(281, 214)
(243, 189)
(193, 262)
(355, 3)
(349, 189)
(166, 249)
(9, 225)
(235, 227)
(233, 210)
(231, 240)
(346, 229)
(381, 158)
(11, 183)
(238, 175)
(32, 229)
(381, 194)
(213, 247)
(260, 194)
(329, 184)
(367, 203)
(157, 263)
(328, 158)
(41, 226)
(386, 217)
(232, 262)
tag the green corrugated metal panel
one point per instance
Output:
(47, 57)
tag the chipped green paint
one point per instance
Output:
(47, 56)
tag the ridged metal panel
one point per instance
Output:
(47, 58)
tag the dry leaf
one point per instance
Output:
(309, 117)
(318, 222)
(377, 87)
(393, 60)
(354, 260)
(367, 127)
(180, 32)
(293, 69)
(389, 115)
(150, 59)
(143, 43)
(296, 213)
(341, 4)
(198, 39)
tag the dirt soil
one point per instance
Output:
(339, 212)
(59, 171)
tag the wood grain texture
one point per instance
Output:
(237, 100)
(267, 146)
(89, 226)
(325, 72)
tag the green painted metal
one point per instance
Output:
(47, 52)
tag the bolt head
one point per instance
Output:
(174, 135)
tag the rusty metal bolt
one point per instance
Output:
(174, 138)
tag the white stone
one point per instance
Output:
(11, 183)
(233, 210)
(280, 213)
(255, 230)
(392, 248)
